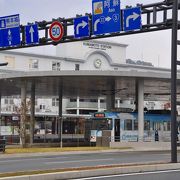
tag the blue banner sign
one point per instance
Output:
(106, 16)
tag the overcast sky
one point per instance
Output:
(150, 47)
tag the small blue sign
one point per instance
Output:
(81, 27)
(31, 34)
(10, 31)
(9, 21)
(132, 19)
(106, 16)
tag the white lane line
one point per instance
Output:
(132, 174)
(34, 159)
(85, 160)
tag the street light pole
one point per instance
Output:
(173, 82)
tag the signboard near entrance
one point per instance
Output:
(106, 16)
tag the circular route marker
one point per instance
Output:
(56, 31)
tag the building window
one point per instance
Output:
(9, 101)
(77, 66)
(94, 100)
(55, 102)
(56, 66)
(36, 102)
(73, 100)
(128, 125)
(42, 106)
(102, 100)
(33, 64)
(135, 125)
(146, 125)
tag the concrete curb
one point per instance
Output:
(41, 154)
(98, 172)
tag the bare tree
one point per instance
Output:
(23, 110)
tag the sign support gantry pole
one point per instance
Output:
(173, 82)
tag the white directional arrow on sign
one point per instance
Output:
(31, 31)
(134, 16)
(83, 25)
(9, 37)
(107, 19)
(95, 24)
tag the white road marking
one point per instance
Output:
(84, 160)
(34, 159)
(131, 174)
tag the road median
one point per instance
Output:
(70, 173)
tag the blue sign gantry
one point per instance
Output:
(132, 19)
(81, 27)
(106, 16)
(31, 34)
(10, 31)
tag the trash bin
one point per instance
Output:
(2, 144)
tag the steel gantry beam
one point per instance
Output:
(150, 22)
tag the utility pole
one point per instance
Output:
(173, 82)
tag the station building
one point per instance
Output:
(82, 57)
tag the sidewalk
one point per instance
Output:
(126, 147)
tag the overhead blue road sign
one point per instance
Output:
(9, 21)
(106, 16)
(31, 34)
(10, 37)
(132, 19)
(10, 31)
(81, 27)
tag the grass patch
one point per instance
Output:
(56, 149)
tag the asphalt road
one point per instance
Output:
(158, 175)
(15, 164)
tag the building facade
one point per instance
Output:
(77, 56)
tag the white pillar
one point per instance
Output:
(32, 113)
(99, 104)
(140, 110)
(77, 105)
(118, 103)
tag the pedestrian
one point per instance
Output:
(156, 135)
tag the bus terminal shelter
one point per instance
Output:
(139, 82)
